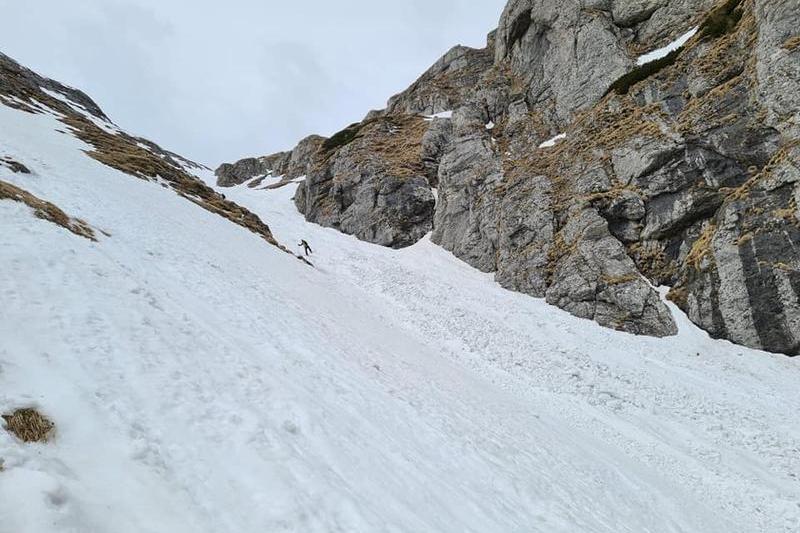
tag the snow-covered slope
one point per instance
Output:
(202, 380)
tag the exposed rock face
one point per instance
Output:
(447, 84)
(290, 165)
(685, 173)
(565, 53)
(669, 19)
(626, 13)
(596, 279)
(230, 174)
(777, 65)
(374, 179)
(369, 181)
(467, 174)
(742, 279)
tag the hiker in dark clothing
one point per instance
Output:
(306, 247)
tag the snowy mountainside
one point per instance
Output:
(26, 91)
(677, 163)
(201, 379)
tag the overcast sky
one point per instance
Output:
(220, 80)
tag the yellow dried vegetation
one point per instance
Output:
(46, 210)
(29, 425)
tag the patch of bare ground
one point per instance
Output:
(14, 166)
(46, 211)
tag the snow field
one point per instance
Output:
(202, 380)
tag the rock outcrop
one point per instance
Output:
(447, 84)
(683, 172)
(289, 165)
(369, 181)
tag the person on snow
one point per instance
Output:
(306, 247)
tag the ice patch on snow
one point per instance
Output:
(552, 142)
(443, 114)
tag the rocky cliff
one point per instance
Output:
(682, 171)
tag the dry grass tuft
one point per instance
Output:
(792, 43)
(782, 155)
(46, 210)
(29, 425)
(679, 296)
(701, 249)
(391, 144)
(619, 280)
(401, 148)
(653, 261)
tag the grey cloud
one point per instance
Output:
(221, 80)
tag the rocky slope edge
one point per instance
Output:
(684, 171)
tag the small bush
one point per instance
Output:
(623, 85)
(29, 425)
(722, 20)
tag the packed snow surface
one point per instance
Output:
(443, 114)
(552, 142)
(204, 381)
(666, 50)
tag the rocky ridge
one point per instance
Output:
(684, 172)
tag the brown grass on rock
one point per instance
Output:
(46, 210)
(702, 247)
(388, 144)
(399, 145)
(792, 43)
(29, 425)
